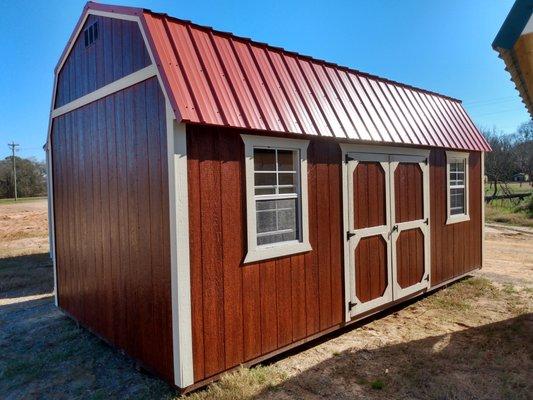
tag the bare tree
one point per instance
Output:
(524, 149)
(500, 162)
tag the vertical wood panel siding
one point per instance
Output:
(118, 51)
(455, 248)
(240, 312)
(112, 221)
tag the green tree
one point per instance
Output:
(31, 177)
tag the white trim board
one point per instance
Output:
(482, 190)
(113, 87)
(51, 225)
(179, 251)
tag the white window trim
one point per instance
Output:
(452, 156)
(265, 252)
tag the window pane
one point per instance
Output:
(286, 179)
(277, 221)
(457, 197)
(288, 189)
(286, 160)
(264, 160)
(265, 190)
(266, 221)
(265, 179)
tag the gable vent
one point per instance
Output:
(91, 34)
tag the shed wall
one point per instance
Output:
(118, 51)
(455, 248)
(241, 312)
(112, 223)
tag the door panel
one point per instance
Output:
(369, 194)
(408, 192)
(410, 224)
(410, 257)
(388, 228)
(372, 268)
(369, 231)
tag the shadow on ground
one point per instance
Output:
(492, 361)
(26, 275)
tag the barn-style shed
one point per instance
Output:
(216, 201)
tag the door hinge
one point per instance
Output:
(426, 221)
(351, 305)
(348, 158)
(427, 278)
(426, 161)
(349, 235)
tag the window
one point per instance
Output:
(90, 34)
(276, 197)
(457, 186)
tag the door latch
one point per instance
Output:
(394, 228)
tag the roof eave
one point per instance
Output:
(514, 70)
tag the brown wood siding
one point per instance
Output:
(369, 195)
(118, 51)
(410, 257)
(371, 268)
(408, 192)
(240, 312)
(112, 221)
(455, 248)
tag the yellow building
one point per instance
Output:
(514, 43)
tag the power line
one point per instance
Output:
(13, 147)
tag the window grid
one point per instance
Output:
(457, 187)
(279, 195)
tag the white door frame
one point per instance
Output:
(354, 236)
(422, 224)
(349, 282)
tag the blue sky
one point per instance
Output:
(444, 46)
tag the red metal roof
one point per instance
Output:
(217, 78)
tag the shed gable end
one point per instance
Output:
(117, 50)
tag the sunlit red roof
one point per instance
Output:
(217, 78)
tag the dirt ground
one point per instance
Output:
(23, 228)
(471, 340)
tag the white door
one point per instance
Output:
(409, 191)
(388, 228)
(369, 230)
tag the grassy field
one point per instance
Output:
(20, 200)
(512, 212)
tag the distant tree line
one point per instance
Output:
(31, 177)
(511, 154)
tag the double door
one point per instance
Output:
(388, 228)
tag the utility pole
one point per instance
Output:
(13, 147)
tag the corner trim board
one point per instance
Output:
(118, 85)
(179, 251)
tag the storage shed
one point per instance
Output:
(215, 201)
